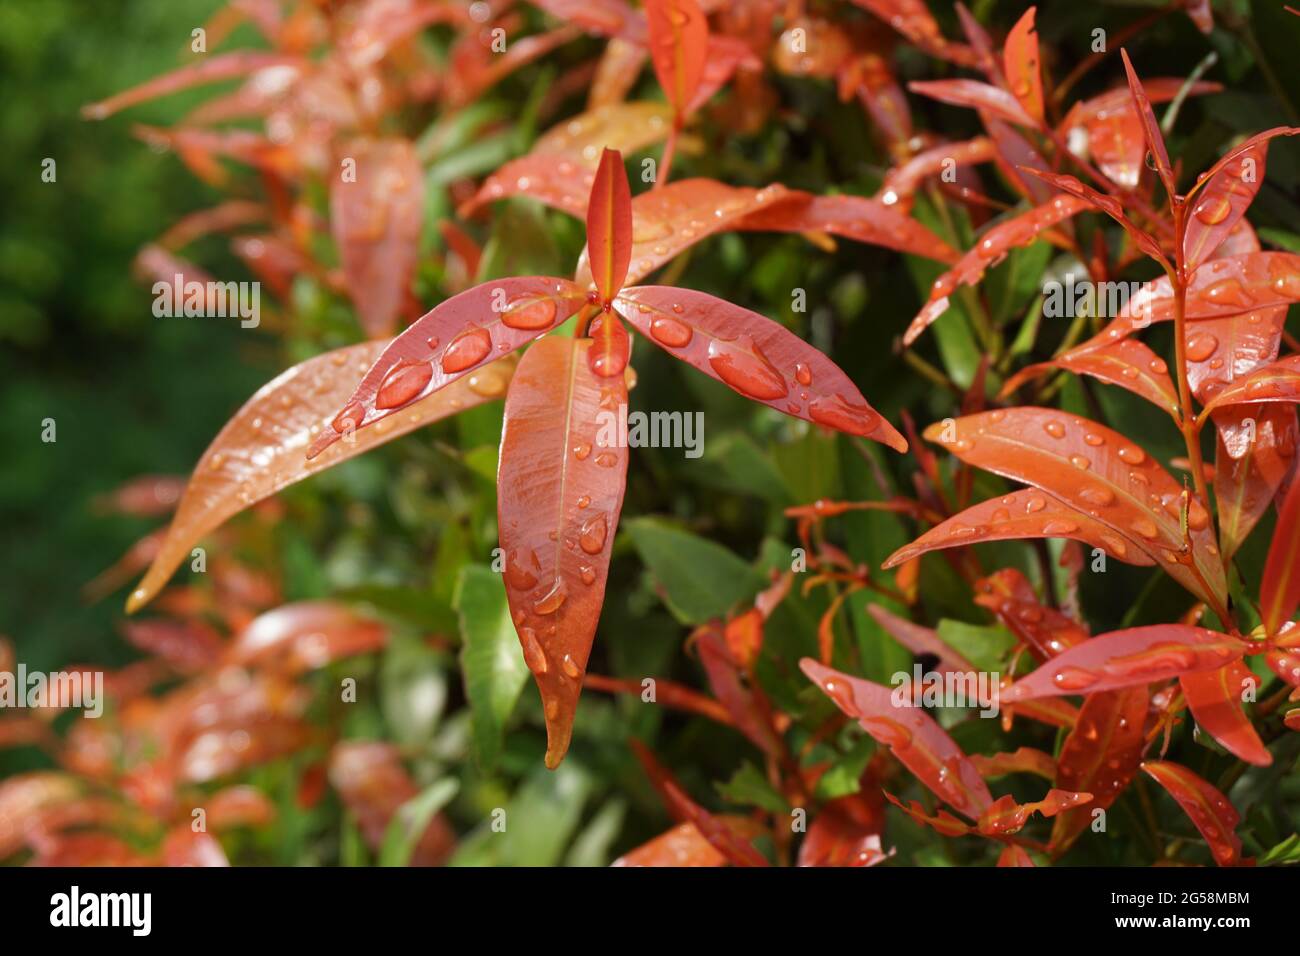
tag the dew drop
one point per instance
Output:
(670, 332)
(466, 350)
(529, 313)
(592, 538)
(746, 370)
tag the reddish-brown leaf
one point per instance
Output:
(1221, 202)
(756, 357)
(1004, 816)
(1100, 756)
(1022, 514)
(1208, 809)
(1020, 60)
(684, 845)
(1014, 855)
(978, 96)
(447, 343)
(182, 846)
(1136, 656)
(1022, 760)
(617, 71)
(209, 69)
(609, 226)
(1279, 590)
(746, 706)
(679, 40)
(1215, 699)
(1107, 204)
(1276, 382)
(259, 451)
(1150, 128)
(991, 249)
(921, 640)
(1126, 362)
(376, 218)
(912, 19)
(306, 635)
(560, 488)
(1244, 487)
(901, 182)
(1100, 472)
(846, 833)
(1044, 630)
(916, 740)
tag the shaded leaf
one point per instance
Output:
(1127, 363)
(978, 96)
(490, 658)
(1279, 590)
(1215, 698)
(1020, 61)
(1204, 805)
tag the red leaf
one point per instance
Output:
(1014, 855)
(1020, 58)
(978, 96)
(1101, 473)
(1136, 656)
(609, 225)
(991, 249)
(1126, 363)
(259, 451)
(749, 711)
(1150, 128)
(449, 342)
(921, 640)
(1023, 760)
(1004, 816)
(376, 220)
(679, 39)
(184, 847)
(684, 845)
(1204, 805)
(912, 19)
(901, 182)
(1275, 382)
(305, 636)
(1021, 514)
(846, 833)
(560, 489)
(1279, 590)
(1100, 756)
(210, 69)
(1245, 486)
(754, 356)
(1223, 200)
(1215, 699)
(1107, 204)
(1045, 630)
(916, 740)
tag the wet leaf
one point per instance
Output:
(913, 20)
(1244, 487)
(1204, 805)
(1005, 816)
(451, 341)
(901, 182)
(1044, 630)
(1127, 363)
(755, 357)
(1101, 473)
(1020, 61)
(1022, 514)
(1022, 760)
(305, 636)
(1150, 128)
(679, 39)
(916, 740)
(376, 219)
(1127, 658)
(1279, 590)
(260, 450)
(609, 226)
(560, 489)
(990, 250)
(978, 96)
(921, 640)
(1275, 382)
(1107, 204)
(1215, 700)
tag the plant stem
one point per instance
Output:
(1186, 418)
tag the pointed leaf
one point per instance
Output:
(1221, 202)
(755, 357)
(1215, 699)
(1244, 487)
(1107, 204)
(490, 658)
(1021, 514)
(921, 640)
(1005, 816)
(1136, 656)
(209, 69)
(901, 182)
(259, 451)
(1100, 472)
(1204, 805)
(991, 249)
(1045, 630)
(609, 225)
(1279, 590)
(913, 20)
(304, 636)
(916, 740)
(1022, 760)
(1150, 128)
(1275, 382)
(1100, 756)
(978, 96)
(449, 342)
(679, 39)
(560, 491)
(1127, 363)
(1020, 60)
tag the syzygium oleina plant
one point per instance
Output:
(940, 626)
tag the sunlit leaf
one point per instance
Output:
(978, 96)
(609, 226)
(679, 38)
(1020, 60)
(1127, 363)
(1150, 128)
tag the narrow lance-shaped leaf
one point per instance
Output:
(1138, 655)
(1208, 809)
(1215, 699)
(901, 182)
(919, 743)
(609, 225)
(756, 357)
(451, 341)
(376, 217)
(991, 249)
(912, 18)
(1127, 363)
(1006, 816)
(1100, 756)
(490, 658)
(1107, 204)
(1221, 203)
(921, 640)
(1244, 487)
(1020, 60)
(1022, 514)
(221, 66)
(1100, 472)
(1279, 591)
(259, 451)
(976, 95)
(560, 486)
(679, 38)
(1150, 128)
(1044, 630)
(1276, 382)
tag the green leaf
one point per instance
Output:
(592, 846)
(535, 827)
(842, 778)
(412, 688)
(411, 820)
(985, 647)
(748, 787)
(700, 579)
(491, 660)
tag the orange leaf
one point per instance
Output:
(679, 38)
(210, 69)
(1207, 808)
(754, 356)
(1150, 128)
(1005, 816)
(1279, 590)
(259, 451)
(984, 97)
(560, 490)
(920, 744)
(1020, 59)
(1215, 699)
(1126, 363)
(609, 225)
